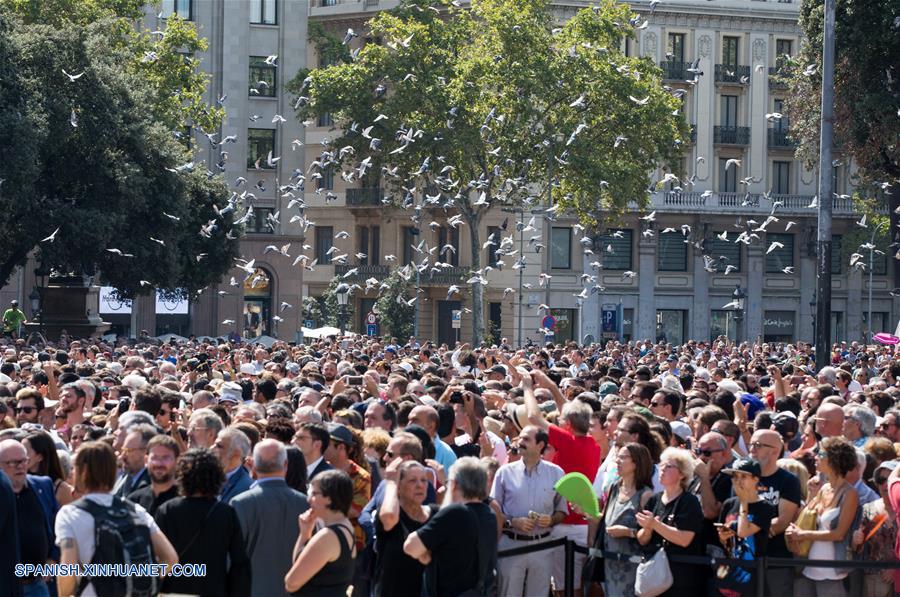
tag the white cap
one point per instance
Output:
(248, 369)
(134, 382)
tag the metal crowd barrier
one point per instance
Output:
(761, 564)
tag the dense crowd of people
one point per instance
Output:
(377, 467)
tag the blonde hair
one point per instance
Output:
(796, 468)
(683, 460)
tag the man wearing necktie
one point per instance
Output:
(132, 460)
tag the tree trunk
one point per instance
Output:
(473, 219)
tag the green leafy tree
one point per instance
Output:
(497, 106)
(866, 90)
(395, 316)
(94, 161)
(312, 309)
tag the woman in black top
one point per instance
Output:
(402, 512)
(673, 519)
(204, 530)
(323, 562)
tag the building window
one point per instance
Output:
(879, 264)
(260, 142)
(262, 77)
(727, 177)
(326, 182)
(627, 324)
(324, 242)
(837, 327)
(676, 47)
(880, 322)
(493, 234)
(783, 123)
(778, 326)
(619, 258)
(730, 47)
(781, 175)
(561, 248)
(261, 222)
(257, 304)
(722, 323)
(410, 238)
(783, 48)
(325, 120)
(671, 325)
(565, 329)
(178, 8)
(725, 253)
(836, 248)
(263, 12)
(362, 245)
(449, 237)
(671, 255)
(780, 257)
(729, 116)
(375, 251)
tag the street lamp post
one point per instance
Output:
(871, 271)
(738, 297)
(812, 308)
(343, 295)
(35, 298)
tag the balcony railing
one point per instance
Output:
(778, 137)
(693, 133)
(447, 276)
(731, 135)
(363, 272)
(733, 73)
(674, 71)
(775, 74)
(365, 197)
(750, 203)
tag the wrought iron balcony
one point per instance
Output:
(365, 197)
(778, 138)
(731, 135)
(363, 272)
(775, 78)
(674, 71)
(445, 277)
(733, 73)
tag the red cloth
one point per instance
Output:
(894, 497)
(575, 455)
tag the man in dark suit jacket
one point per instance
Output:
(267, 513)
(132, 458)
(313, 439)
(9, 539)
(232, 448)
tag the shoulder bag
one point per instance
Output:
(654, 576)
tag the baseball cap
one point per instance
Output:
(743, 465)
(681, 429)
(608, 387)
(340, 433)
(292, 368)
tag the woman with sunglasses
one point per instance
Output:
(876, 536)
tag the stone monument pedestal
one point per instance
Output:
(70, 304)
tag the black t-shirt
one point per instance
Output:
(461, 538)
(761, 513)
(33, 539)
(721, 488)
(395, 572)
(685, 514)
(781, 485)
(150, 501)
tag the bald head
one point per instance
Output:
(14, 462)
(425, 417)
(766, 447)
(269, 459)
(829, 420)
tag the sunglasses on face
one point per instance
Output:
(706, 453)
(25, 409)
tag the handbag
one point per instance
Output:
(654, 575)
(807, 520)
(594, 569)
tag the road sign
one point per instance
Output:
(371, 319)
(456, 319)
(308, 323)
(548, 322)
(372, 329)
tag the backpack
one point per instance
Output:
(119, 538)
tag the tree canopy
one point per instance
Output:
(496, 105)
(89, 154)
(866, 90)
